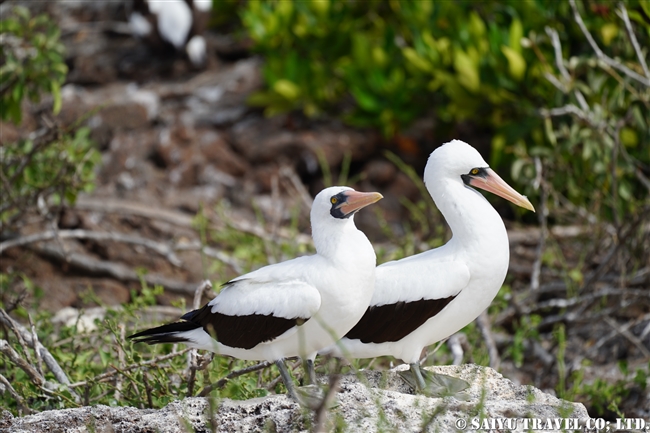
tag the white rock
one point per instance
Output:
(374, 401)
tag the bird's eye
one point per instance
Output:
(334, 200)
(474, 171)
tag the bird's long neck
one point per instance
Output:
(344, 245)
(476, 226)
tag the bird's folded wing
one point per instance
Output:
(407, 294)
(281, 290)
(419, 279)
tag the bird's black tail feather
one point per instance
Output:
(165, 334)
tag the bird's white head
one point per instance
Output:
(338, 204)
(332, 226)
(457, 161)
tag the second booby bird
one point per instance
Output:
(175, 23)
(293, 308)
(425, 298)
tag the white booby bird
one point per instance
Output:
(179, 23)
(425, 298)
(293, 308)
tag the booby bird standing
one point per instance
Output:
(425, 298)
(179, 23)
(293, 308)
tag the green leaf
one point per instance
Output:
(629, 137)
(608, 31)
(56, 95)
(365, 100)
(476, 25)
(468, 74)
(515, 34)
(416, 60)
(516, 62)
(287, 89)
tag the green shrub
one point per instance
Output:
(385, 64)
(33, 62)
(597, 156)
(50, 165)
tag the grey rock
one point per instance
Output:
(368, 402)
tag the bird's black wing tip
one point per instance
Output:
(164, 334)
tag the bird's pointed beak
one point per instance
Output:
(356, 200)
(494, 184)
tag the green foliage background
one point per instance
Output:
(52, 164)
(384, 64)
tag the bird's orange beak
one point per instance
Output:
(356, 200)
(494, 184)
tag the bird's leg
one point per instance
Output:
(419, 380)
(286, 378)
(311, 371)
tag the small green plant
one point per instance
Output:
(33, 62)
(50, 169)
(525, 329)
(50, 166)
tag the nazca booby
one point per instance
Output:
(425, 298)
(178, 23)
(293, 308)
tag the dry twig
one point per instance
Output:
(14, 357)
(320, 416)
(47, 357)
(483, 322)
(543, 232)
(115, 270)
(233, 374)
(39, 361)
(150, 363)
(602, 56)
(19, 399)
(160, 248)
(193, 365)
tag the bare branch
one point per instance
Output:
(21, 403)
(602, 56)
(14, 357)
(320, 416)
(120, 360)
(543, 232)
(290, 173)
(39, 361)
(152, 362)
(162, 249)
(192, 356)
(455, 343)
(617, 330)
(622, 12)
(14, 326)
(559, 61)
(625, 332)
(47, 357)
(233, 374)
(180, 219)
(148, 389)
(115, 270)
(483, 322)
(572, 109)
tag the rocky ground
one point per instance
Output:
(176, 141)
(373, 402)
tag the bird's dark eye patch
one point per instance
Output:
(474, 173)
(337, 200)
